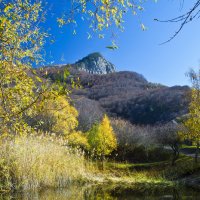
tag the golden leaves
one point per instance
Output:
(21, 41)
(101, 137)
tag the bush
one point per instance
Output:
(78, 140)
(138, 143)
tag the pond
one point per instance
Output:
(104, 192)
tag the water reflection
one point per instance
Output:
(103, 192)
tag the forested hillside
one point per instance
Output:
(122, 94)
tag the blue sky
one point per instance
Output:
(138, 50)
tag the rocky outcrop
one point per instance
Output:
(95, 63)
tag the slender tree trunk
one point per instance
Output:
(175, 157)
(175, 154)
(124, 153)
(197, 153)
(102, 161)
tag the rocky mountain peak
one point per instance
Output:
(95, 63)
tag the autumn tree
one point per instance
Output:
(101, 138)
(192, 123)
(102, 15)
(23, 94)
(21, 40)
(54, 115)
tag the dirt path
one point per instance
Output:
(187, 151)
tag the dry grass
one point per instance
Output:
(39, 161)
(34, 162)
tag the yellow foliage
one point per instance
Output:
(20, 41)
(77, 139)
(101, 137)
(57, 115)
(193, 122)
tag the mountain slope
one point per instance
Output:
(130, 96)
(126, 94)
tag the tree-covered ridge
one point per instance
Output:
(124, 94)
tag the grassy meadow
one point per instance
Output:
(44, 161)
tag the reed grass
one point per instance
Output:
(44, 161)
(39, 161)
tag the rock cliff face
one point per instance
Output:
(95, 63)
